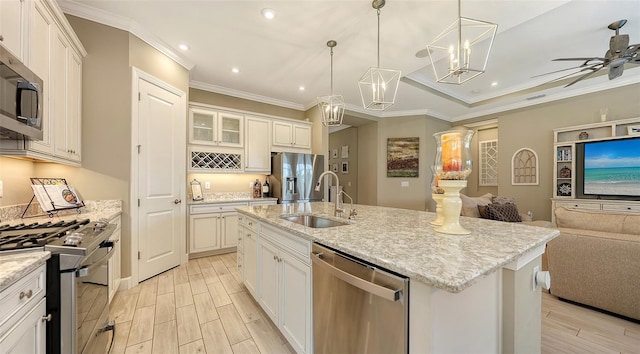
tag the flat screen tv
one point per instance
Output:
(609, 168)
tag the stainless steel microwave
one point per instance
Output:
(20, 100)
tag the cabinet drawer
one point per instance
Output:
(214, 208)
(27, 290)
(621, 208)
(295, 245)
(251, 224)
(579, 205)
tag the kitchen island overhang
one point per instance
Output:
(479, 283)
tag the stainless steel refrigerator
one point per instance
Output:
(293, 177)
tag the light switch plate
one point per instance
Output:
(404, 184)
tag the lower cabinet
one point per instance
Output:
(23, 315)
(116, 258)
(213, 227)
(277, 272)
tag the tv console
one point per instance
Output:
(564, 167)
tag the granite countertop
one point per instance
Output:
(93, 210)
(404, 241)
(14, 267)
(231, 197)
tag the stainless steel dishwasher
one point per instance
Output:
(357, 307)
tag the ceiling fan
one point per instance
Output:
(619, 53)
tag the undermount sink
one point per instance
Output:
(313, 221)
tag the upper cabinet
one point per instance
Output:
(12, 27)
(289, 135)
(257, 149)
(219, 128)
(54, 53)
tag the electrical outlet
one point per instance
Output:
(207, 185)
(404, 184)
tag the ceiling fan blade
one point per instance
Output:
(592, 68)
(615, 71)
(633, 53)
(618, 44)
(583, 77)
(575, 59)
(559, 71)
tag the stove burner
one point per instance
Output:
(36, 234)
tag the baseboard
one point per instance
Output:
(125, 283)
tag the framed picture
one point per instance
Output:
(403, 157)
(345, 167)
(334, 153)
(633, 129)
(334, 167)
(345, 151)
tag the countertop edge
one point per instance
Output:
(17, 265)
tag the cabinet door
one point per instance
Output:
(269, 269)
(282, 133)
(74, 106)
(202, 126)
(28, 335)
(41, 32)
(250, 247)
(230, 129)
(302, 136)
(257, 148)
(229, 230)
(11, 29)
(295, 302)
(203, 232)
(58, 98)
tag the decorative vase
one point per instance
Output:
(452, 167)
(437, 197)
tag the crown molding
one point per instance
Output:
(125, 24)
(245, 95)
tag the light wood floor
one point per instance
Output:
(202, 307)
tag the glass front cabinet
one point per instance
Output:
(218, 128)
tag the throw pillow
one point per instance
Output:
(470, 204)
(482, 209)
(503, 212)
(502, 200)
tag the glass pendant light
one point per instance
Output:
(378, 87)
(332, 106)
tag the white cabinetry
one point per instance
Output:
(284, 275)
(248, 252)
(116, 258)
(258, 146)
(55, 55)
(289, 135)
(22, 315)
(213, 227)
(12, 27)
(211, 127)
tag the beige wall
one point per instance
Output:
(229, 182)
(368, 164)
(15, 174)
(216, 99)
(389, 190)
(533, 128)
(337, 140)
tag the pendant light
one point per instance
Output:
(461, 51)
(332, 106)
(378, 87)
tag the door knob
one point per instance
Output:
(177, 201)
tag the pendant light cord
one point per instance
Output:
(331, 91)
(379, 37)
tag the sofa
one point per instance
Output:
(499, 208)
(596, 260)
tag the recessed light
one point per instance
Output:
(235, 70)
(301, 88)
(183, 47)
(495, 83)
(269, 14)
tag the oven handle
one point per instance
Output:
(84, 271)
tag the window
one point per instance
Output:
(488, 171)
(524, 167)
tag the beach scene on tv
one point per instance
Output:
(612, 167)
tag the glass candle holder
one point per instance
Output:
(453, 154)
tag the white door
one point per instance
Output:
(161, 135)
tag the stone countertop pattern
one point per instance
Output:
(93, 210)
(14, 267)
(230, 197)
(404, 241)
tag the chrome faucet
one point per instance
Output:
(352, 211)
(338, 206)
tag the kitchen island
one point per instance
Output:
(467, 293)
